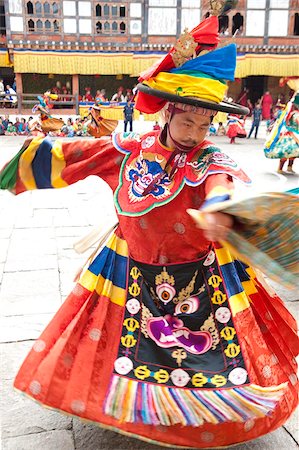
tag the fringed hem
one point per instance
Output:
(132, 401)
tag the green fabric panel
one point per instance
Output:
(8, 175)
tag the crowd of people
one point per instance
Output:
(22, 127)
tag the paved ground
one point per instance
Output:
(37, 265)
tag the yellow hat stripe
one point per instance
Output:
(188, 86)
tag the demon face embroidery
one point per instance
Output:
(147, 176)
(169, 331)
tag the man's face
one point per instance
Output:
(188, 129)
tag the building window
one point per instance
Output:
(98, 27)
(278, 22)
(46, 8)
(39, 25)
(296, 24)
(2, 20)
(47, 25)
(38, 8)
(29, 8)
(223, 24)
(106, 10)
(190, 14)
(255, 23)
(122, 11)
(238, 21)
(122, 27)
(98, 10)
(162, 21)
(114, 15)
(56, 26)
(30, 25)
(55, 8)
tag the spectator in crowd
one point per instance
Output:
(2, 129)
(57, 88)
(212, 130)
(11, 130)
(266, 103)
(128, 115)
(70, 128)
(119, 96)
(11, 96)
(5, 122)
(17, 123)
(87, 97)
(221, 131)
(256, 119)
(1, 86)
(14, 85)
(23, 127)
(156, 126)
(100, 96)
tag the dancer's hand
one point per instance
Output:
(217, 226)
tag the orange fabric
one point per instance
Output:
(71, 356)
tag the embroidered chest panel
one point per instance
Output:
(178, 329)
(148, 178)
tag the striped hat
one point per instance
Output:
(194, 72)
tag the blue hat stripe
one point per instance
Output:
(219, 63)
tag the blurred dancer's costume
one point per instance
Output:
(45, 122)
(98, 125)
(166, 336)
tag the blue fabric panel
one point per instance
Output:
(42, 165)
(231, 279)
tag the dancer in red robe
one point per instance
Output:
(166, 336)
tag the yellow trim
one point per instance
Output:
(25, 167)
(223, 256)
(249, 287)
(58, 164)
(267, 64)
(188, 86)
(106, 288)
(103, 287)
(238, 302)
(5, 59)
(118, 245)
(68, 63)
(88, 280)
(90, 63)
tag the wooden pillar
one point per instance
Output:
(75, 86)
(19, 89)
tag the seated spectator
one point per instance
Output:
(1, 87)
(87, 97)
(11, 130)
(100, 96)
(221, 129)
(5, 122)
(23, 128)
(17, 123)
(119, 96)
(11, 96)
(156, 126)
(70, 128)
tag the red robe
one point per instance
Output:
(119, 351)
